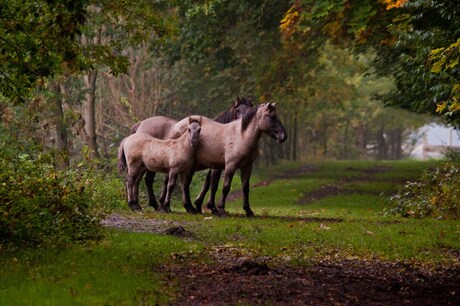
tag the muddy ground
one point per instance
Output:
(235, 279)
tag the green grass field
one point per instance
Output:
(344, 222)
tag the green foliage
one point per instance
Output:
(436, 194)
(37, 38)
(42, 205)
(416, 43)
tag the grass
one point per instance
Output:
(118, 271)
(125, 268)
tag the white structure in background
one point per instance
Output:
(436, 140)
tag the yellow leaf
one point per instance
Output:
(454, 107)
(440, 107)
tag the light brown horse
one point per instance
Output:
(140, 152)
(163, 128)
(234, 146)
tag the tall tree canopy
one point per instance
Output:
(416, 42)
(38, 38)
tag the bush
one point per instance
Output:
(435, 194)
(43, 205)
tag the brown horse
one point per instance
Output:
(234, 146)
(140, 152)
(163, 128)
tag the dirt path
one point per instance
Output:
(248, 282)
(236, 279)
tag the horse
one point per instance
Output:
(163, 128)
(140, 152)
(234, 146)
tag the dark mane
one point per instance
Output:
(247, 118)
(231, 114)
(227, 116)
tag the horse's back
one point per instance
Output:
(157, 126)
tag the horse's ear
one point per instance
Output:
(271, 106)
(237, 101)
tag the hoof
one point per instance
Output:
(221, 213)
(164, 210)
(191, 209)
(154, 206)
(212, 208)
(135, 206)
(250, 215)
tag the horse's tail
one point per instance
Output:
(135, 127)
(121, 157)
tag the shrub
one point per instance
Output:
(43, 205)
(435, 194)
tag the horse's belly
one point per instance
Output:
(157, 165)
(205, 159)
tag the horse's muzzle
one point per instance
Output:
(194, 142)
(281, 138)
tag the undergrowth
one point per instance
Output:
(436, 194)
(43, 205)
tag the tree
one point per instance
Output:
(38, 40)
(415, 43)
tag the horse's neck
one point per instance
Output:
(183, 142)
(251, 135)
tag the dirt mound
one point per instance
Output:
(178, 231)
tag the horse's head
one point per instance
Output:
(194, 129)
(269, 123)
(242, 106)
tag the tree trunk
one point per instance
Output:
(382, 152)
(345, 141)
(62, 148)
(396, 143)
(89, 113)
(294, 138)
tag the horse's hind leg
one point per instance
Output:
(215, 176)
(133, 200)
(149, 179)
(245, 176)
(186, 179)
(200, 198)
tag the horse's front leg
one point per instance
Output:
(215, 177)
(200, 198)
(186, 179)
(149, 179)
(229, 172)
(163, 192)
(245, 177)
(166, 207)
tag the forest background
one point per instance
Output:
(351, 78)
